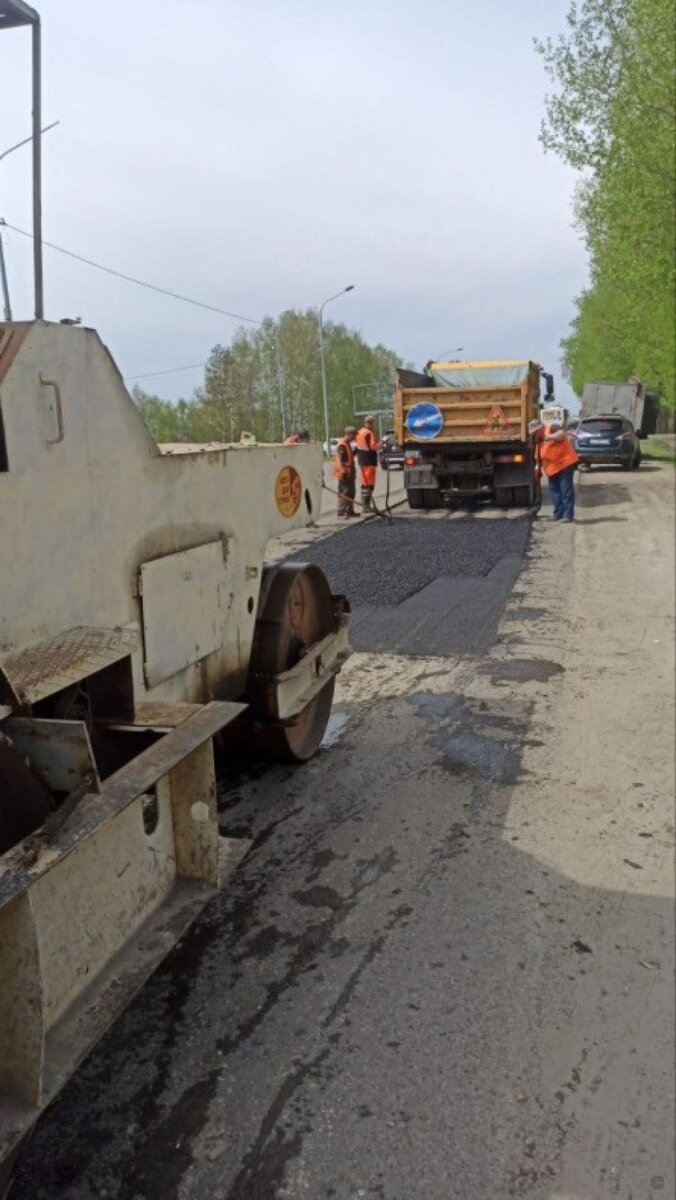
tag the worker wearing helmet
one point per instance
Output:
(367, 457)
(559, 461)
(345, 472)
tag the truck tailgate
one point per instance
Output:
(475, 415)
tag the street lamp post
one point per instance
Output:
(13, 14)
(25, 141)
(325, 396)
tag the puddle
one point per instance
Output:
(338, 723)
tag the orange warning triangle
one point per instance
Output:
(498, 422)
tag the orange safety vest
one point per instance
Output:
(367, 445)
(293, 440)
(343, 463)
(556, 456)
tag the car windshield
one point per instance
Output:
(602, 425)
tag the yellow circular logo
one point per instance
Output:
(288, 491)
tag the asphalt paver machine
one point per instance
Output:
(138, 621)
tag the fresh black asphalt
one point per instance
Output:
(424, 587)
(382, 562)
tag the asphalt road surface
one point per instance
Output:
(444, 969)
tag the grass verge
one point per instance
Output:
(655, 448)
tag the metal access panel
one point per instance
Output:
(186, 598)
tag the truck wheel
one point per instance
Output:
(432, 498)
(504, 497)
(524, 496)
(415, 497)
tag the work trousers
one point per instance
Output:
(346, 493)
(562, 492)
(368, 482)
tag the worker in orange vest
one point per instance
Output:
(345, 472)
(367, 457)
(296, 438)
(559, 461)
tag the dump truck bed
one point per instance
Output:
(475, 402)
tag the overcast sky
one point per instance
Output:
(261, 155)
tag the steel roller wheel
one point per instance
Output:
(25, 802)
(296, 610)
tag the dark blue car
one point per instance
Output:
(607, 439)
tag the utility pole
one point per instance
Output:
(7, 308)
(16, 13)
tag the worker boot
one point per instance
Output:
(366, 498)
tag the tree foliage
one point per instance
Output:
(268, 382)
(613, 118)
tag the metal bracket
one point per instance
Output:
(295, 688)
(56, 408)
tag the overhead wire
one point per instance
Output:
(153, 287)
(168, 371)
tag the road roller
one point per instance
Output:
(139, 626)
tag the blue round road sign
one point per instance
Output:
(425, 421)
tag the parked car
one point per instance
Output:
(608, 439)
(330, 447)
(390, 454)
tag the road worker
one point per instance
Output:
(367, 457)
(559, 460)
(345, 472)
(301, 435)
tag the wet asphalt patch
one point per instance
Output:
(421, 587)
(474, 737)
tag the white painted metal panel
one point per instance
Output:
(186, 599)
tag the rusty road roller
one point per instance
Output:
(138, 621)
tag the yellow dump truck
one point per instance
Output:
(464, 430)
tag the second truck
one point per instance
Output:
(464, 431)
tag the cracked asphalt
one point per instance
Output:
(444, 968)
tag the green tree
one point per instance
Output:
(276, 369)
(167, 422)
(613, 117)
